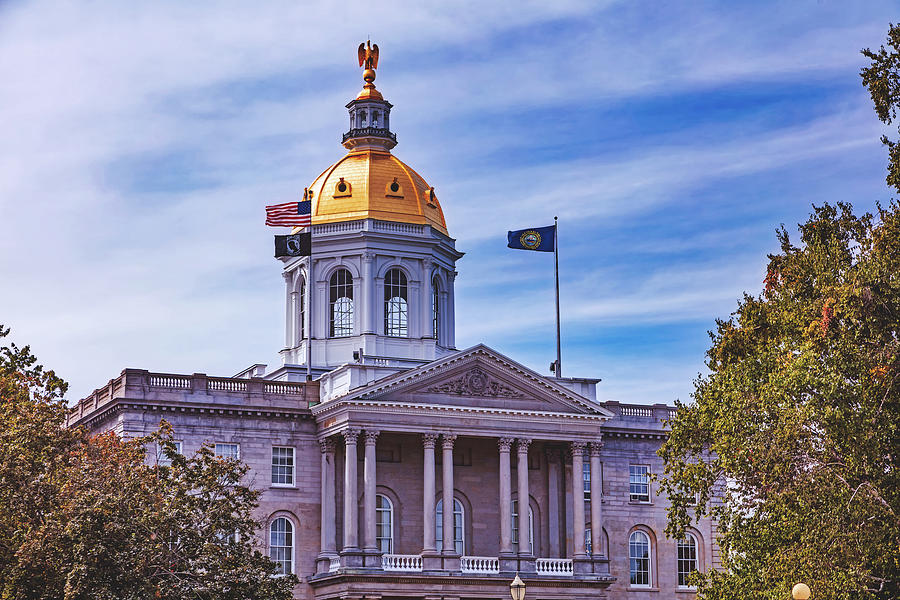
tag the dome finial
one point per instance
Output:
(368, 57)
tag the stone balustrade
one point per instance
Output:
(213, 392)
(334, 565)
(480, 565)
(641, 412)
(401, 562)
(555, 566)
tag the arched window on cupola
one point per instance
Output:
(341, 303)
(396, 306)
(362, 118)
(375, 118)
(436, 309)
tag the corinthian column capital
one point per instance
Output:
(505, 444)
(371, 436)
(326, 445)
(429, 440)
(522, 445)
(447, 440)
(351, 434)
(577, 448)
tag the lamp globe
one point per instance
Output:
(800, 592)
(517, 588)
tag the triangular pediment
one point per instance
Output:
(478, 378)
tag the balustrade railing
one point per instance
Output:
(554, 566)
(401, 562)
(226, 385)
(335, 565)
(137, 384)
(181, 382)
(637, 411)
(484, 565)
(284, 387)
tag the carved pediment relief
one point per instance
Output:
(476, 383)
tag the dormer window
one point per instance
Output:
(431, 198)
(342, 188)
(394, 189)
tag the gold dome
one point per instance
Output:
(373, 184)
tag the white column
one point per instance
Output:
(577, 449)
(369, 542)
(524, 496)
(288, 320)
(426, 320)
(351, 510)
(596, 500)
(450, 318)
(506, 546)
(295, 319)
(428, 492)
(327, 524)
(367, 302)
(447, 492)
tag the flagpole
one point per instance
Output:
(558, 369)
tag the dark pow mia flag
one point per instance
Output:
(292, 245)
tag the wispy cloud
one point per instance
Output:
(141, 141)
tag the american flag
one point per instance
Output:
(289, 214)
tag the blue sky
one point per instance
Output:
(142, 140)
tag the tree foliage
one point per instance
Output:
(86, 516)
(882, 77)
(792, 443)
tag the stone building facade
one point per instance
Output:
(375, 422)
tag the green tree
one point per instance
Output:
(882, 77)
(86, 516)
(792, 442)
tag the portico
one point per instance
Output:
(454, 439)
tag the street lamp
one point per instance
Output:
(800, 591)
(517, 588)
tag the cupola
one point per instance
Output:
(370, 113)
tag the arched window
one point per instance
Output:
(341, 301)
(687, 559)
(384, 524)
(396, 310)
(459, 522)
(515, 527)
(301, 313)
(639, 556)
(281, 545)
(436, 309)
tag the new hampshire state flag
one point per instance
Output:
(540, 239)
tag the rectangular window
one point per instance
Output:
(586, 477)
(161, 458)
(232, 451)
(282, 466)
(639, 483)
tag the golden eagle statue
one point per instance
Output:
(368, 55)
